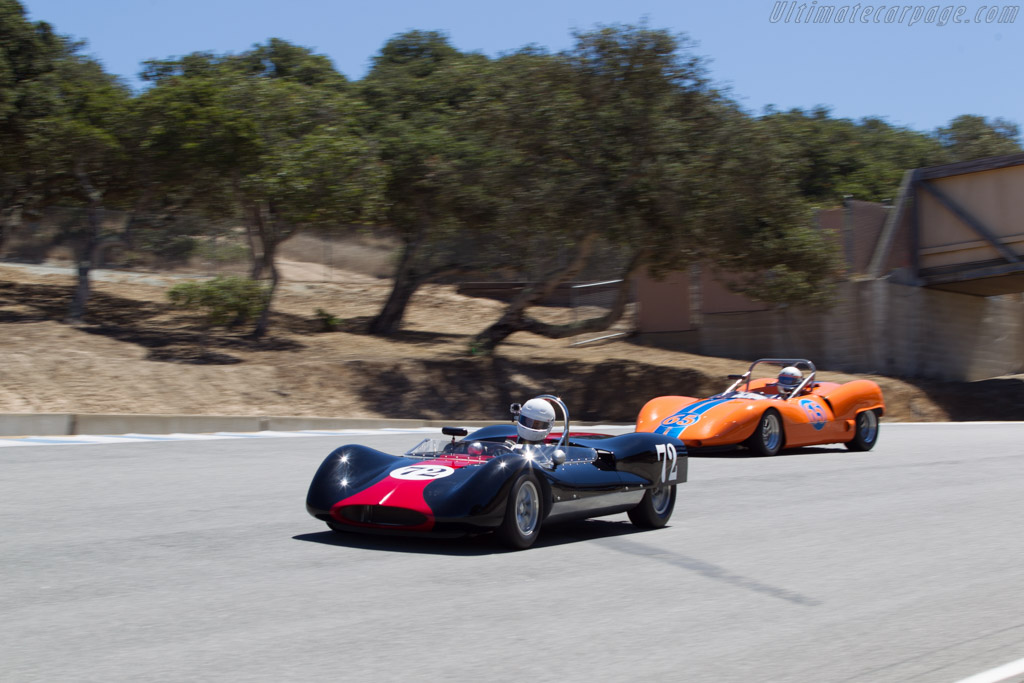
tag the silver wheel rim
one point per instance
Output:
(527, 508)
(868, 426)
(771, 435)
(660, 498)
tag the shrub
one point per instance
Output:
(223, 301)
(328, 322)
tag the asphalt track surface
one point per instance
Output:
(196, 561)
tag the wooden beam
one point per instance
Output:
(883, 246)
(915, 226)
(988, 280)
(973, 166)
(970, 220)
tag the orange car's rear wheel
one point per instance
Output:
(865, 432)
(768, 438)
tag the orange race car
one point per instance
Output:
(767, 414)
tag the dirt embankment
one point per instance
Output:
(135, 354)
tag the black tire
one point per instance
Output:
(769, 436)
(865, 432)
(655, 508)
(521, 526)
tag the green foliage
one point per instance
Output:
(222, 301)
(269, 136)
(61, 117)
(280, 59)
(755, 223)
(974, 137)
(797, 266)
(271, 126)
(328, 322)
(177, 249)
(600, 139)
(418, 95)
(415, 93)
(220, 251)
(624, 135)
(28, 56)
(472, 161)
(834, 158)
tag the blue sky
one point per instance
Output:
(913, 73)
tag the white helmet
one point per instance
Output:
(789, 378)
(535, 420)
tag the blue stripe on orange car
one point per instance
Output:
(675, 424)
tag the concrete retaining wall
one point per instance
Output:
(44, 424)
(65, 424)
(162, 424)
(881, 327)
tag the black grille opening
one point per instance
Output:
(382, 515)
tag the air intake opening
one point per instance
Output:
(379, 515)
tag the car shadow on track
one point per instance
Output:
(743, 453)
(484, 544)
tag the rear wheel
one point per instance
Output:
(521, 526)
(767, 439)
(655, 508)
(865, 432)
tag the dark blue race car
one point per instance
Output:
(494, 480)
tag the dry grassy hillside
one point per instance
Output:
(137, 355)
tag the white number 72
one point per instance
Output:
(669, 464)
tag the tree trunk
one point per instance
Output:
(255, 231)
(10, 221)
(252, 215)
(258, 260)
(87, 248)
(264, 321)
(272, 233)
(601, 322)
(514, 318)
(81, 295)
(390, 317)
(141, 204)
(405, 284)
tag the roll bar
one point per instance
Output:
(781, 362)
(554, 400)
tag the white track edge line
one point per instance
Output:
(1000, 673)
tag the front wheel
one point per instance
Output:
(768, 437)
(655, 508)
(865, 432)
(521, 526)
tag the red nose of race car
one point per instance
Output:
(397, 500)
